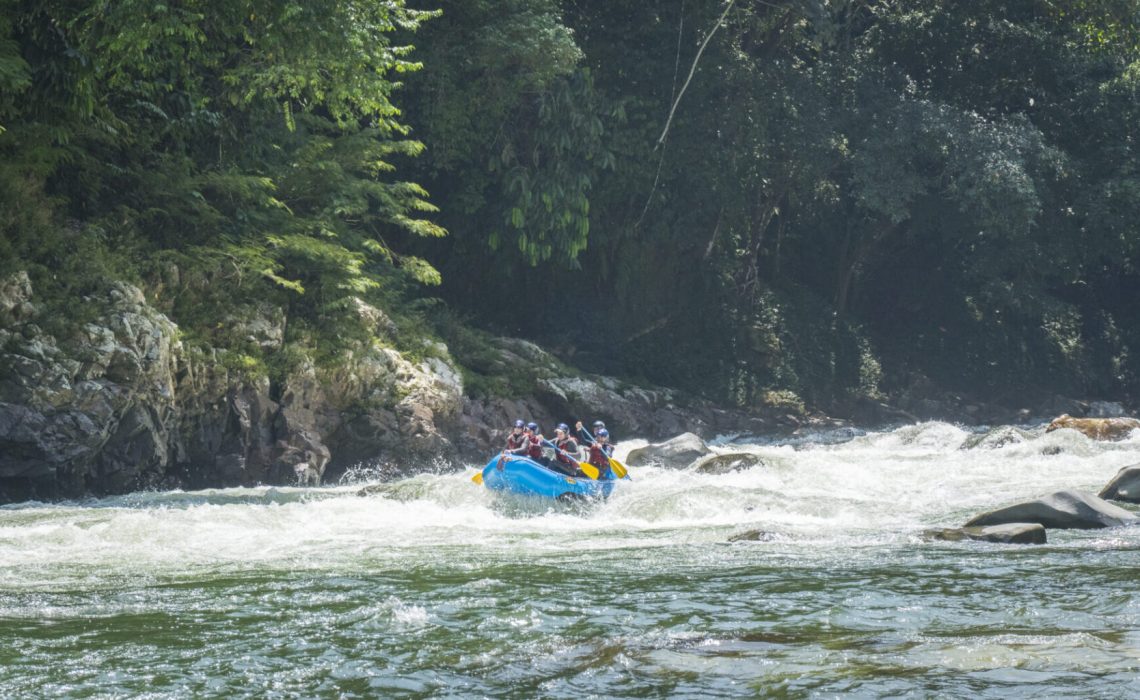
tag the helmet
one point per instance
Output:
(563, 427)
(598, 425)
(520, 424)
(532, 426)
(602, 432)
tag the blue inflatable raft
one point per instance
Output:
(525, 476)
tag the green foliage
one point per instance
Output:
(849, 192)
(515, 131)
(251, 144)
(15, 74)
(547, 173)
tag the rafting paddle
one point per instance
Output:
(617, 467)
(587, 468)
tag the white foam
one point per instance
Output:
(874, 487)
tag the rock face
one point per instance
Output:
(1061, 510)
(1125, 486)
(1010, 533)
(1097, 428)
(677, 453)
(90, 412)
(122, 405)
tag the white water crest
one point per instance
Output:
(876, 489)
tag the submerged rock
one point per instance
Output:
(753, 536)
(723, 464)
(677, 453)
(1071, 510)
(997, 438)
(1008, 533)
(1125, 486)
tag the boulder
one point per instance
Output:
(1008, 533)
(1096, 428)
(1064, 510)
(1125, 486)
(753, 536)
(725, 463)
(997, 438)
(677, 453)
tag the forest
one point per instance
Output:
(804, 202)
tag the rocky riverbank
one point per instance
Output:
(120, 402)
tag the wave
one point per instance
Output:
(872, 487)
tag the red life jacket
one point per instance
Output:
(599, 457)
(515, 441)
(534, 451)
(568, 445)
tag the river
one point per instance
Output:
(435, 587)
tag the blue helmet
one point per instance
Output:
(602, 432)
(563, 427)
(532, 426)
(520, 424)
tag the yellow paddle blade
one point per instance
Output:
(589, 470)
(619, 469)
(478, 478)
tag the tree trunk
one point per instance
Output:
(856, 248)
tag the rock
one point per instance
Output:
(753, 536)
(136, 453)
(375, 320)
(1008, 533)
(1096, 428)
(1125, 486)
(307, 474)
(16, 299)
(228, 469)
(725, 463)
(24, 454)
(677, 453)
(1062, 510)
(997, 438)
(262, 325)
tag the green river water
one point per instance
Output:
(434, 587)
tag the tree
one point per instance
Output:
(254, 136)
